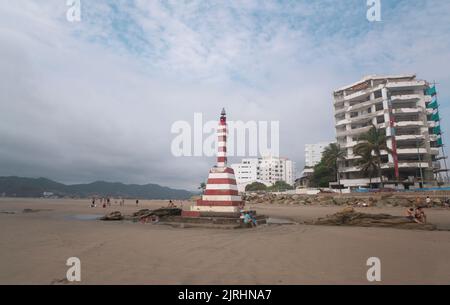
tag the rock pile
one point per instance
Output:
(378, 200)
(348, 217)
(142, 214)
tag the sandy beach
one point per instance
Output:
(35, 247)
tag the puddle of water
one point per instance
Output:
(85, 216)
(279, 221)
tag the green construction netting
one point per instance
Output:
(433, 105)
(435, 117)
(431, 91)
(437, 130)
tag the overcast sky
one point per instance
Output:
(95, 100)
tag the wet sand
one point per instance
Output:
(35, 247)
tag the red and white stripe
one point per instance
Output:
(221, 194)
(222, 142)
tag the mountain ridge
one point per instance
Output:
(14, 186)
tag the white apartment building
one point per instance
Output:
(313, 153)
(401, 106)
(313, 156)
(267, 170)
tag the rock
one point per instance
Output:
(403, 202)
(113, 216)
(142, 212)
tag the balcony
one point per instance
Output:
(359, 182)
(411, 151)
(434, 150)
(406, 97)
(340, 111)
(365, 104)
(409, 137)
(355, 131)
(432, 124)
(407, 110)
(358, 94)
(433, 137)
(437, 165)
(409, 123)
(413, 164)
(406, 84)
(343, 122)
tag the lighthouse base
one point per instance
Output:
(215, 209)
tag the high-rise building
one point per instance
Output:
(267, 170)
(405, 109)
(313, 153)
(313, 156)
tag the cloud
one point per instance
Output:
(96, 99)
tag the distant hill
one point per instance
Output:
(35, 187)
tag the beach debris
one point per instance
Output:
(153, 216)
(113, 216)
(63, 281)
(349, 217)
(144, 215)
(8, 212)
(26, 211)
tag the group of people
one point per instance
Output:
(417, 215)
(249, 217)
(172, 205)
(106, 202)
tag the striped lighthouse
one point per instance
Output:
(221, 194)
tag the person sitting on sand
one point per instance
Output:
(411, 214)
(420, 216)
(447, 203)
(250, 219)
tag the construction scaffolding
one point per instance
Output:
(437, 131)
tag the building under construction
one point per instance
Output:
(407, 110)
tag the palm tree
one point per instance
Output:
(373, 142)
(331, 156)
(202, 187)
(367, 164)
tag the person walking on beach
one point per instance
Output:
(428, 201)
(137, 202)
